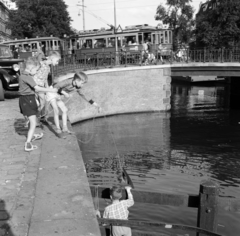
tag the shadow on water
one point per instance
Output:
(5, 228)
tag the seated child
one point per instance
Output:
(66, 86)
(119, 210)
(27, 101)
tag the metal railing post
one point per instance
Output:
(97, 60)
(204, 54)
(222, 55)
(85, 61)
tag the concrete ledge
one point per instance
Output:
(63, 203)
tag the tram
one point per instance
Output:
(131, 38)
(29, 46)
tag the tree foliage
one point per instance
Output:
(39, 18)
(179, 15)
(219, 27)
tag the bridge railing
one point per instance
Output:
(90, 61)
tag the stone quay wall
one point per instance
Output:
(123, 90)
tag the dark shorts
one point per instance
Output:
(28, 106)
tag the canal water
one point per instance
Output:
(171, 152)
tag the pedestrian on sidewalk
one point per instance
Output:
(65, 87)
(119, 210)
(27, 101)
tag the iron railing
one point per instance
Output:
(90, 61)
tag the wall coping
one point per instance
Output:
(109, 70)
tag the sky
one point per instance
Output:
(99, 13)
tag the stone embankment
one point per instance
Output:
(44, 192)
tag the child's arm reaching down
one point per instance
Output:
(89, 101)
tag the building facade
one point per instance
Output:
(5, 34)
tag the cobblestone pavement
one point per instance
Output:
(18, 171)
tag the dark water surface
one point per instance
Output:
(171, 152)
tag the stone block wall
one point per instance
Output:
(123, 90)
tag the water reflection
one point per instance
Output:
(170, 152)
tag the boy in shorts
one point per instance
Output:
(119, 210)
(27, 101)
(65, 87)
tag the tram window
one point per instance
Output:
(161, 37)
(147, 37)
(111, 42)
(99, 43)
(154, 38)
(34, 46)
(140, 39)
(130, 40)
(26, 47)
(88, 43)
(166, 37)
(170, 37)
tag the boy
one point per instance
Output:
(41, 77)
(27, 101)
(65, 87)
(119, 210)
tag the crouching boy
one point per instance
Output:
(119, 210)
(65, 87)
(27, 100)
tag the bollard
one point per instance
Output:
(208, 206)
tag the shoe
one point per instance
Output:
(28, 147)
(60, 134)
(43, 119)
(67, 131)
(37, 136)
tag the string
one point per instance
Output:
(115, 145)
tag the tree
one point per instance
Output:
(179, 16)
(39, 18)
(219, 27)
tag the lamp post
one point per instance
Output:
(115, 33)
(82, 5)
(115, 26)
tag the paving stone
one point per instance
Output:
(13, 177)
(21, 216)
(12, 167)
(15, 172)
(19, 230)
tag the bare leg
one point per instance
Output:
(42, 103)
(55, 113)
(33, 122)
(64, 110)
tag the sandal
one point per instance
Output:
(67, 131)
(29, 147)
(37, 136)
(59, 132)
